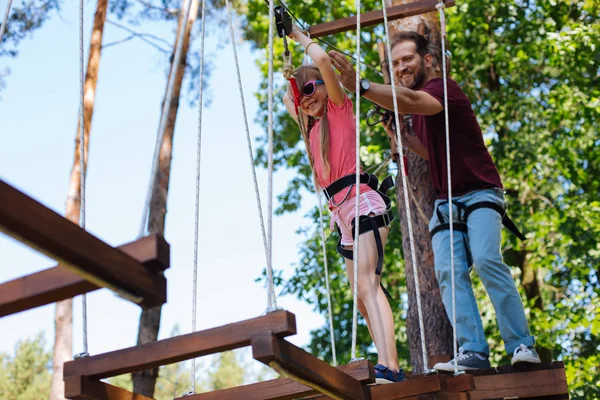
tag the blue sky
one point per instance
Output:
(38, 114)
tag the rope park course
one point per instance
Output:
(135, 271)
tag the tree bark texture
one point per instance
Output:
(145, 381)
(63, 317)
(438, 330)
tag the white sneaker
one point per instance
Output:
(525, 354)
(465, 361)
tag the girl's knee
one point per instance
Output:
(367, 290)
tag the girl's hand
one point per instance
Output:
(296, 33)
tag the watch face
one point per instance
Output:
(365, 84)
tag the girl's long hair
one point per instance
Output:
(304, 74)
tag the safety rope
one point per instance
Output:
(324, 249)
(197, 207)
(357, 184)
(440, 6)
(3, 27)
(82, 165)
(405, 188)
(272, 304)
(250, 153)
(163, 120)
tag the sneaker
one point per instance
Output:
(384, 375)
(465, 360)
(525, 354)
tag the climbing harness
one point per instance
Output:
(462, 214)
(366, 223)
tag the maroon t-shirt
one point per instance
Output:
(471, 164)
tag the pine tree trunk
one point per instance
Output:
(63, 318)
(438, 331)
(145, 381)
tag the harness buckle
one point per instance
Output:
(387, 217)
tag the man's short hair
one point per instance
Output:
(418, 39)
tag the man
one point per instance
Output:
(475, 180)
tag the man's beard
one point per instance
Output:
(419, 78)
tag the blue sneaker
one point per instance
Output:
(384, 375)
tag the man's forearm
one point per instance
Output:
(382, 95)
(415, 145)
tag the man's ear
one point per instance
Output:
(428, 58)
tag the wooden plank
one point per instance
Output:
(55, 284)
(283, 388)
(299, 365)
(180, 348)
(84, 388)
(375, 17)
(32, 223)
(414, 386)
(532, 384)
(455, 384)
(509, 369)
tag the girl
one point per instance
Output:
(328, 125)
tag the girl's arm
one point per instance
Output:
(321, 59)
(289, 104)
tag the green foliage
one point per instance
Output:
(26, 375)
(532, 72)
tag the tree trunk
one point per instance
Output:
(438, 331)
(63, 319)
(144, 381)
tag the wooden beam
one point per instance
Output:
(84, 388)
(283, 388)
(299, 365)
(550, 382)
(424, 387)
(375, 17)
(180, 348)
(32, 223)
(55, 284)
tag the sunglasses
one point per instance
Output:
(309, 89)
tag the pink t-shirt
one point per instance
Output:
(342, 148)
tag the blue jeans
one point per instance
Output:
(483, 239)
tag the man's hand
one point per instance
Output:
(346, 69)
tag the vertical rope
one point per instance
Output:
(271, 300)
(197, 208)
(440, 6)
(82, 163)
(249, 140)
(3, 27)
(163, 118)
(407, 206)
(324, 248)
(357, 184)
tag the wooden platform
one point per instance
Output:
(58, 283)
(79, 252)
(543, 381)
(308, 374)
(283, 388)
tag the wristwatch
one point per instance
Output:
(364, 86)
